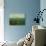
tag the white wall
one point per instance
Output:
(1, 21)
(43, 6)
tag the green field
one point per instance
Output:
(17, 21)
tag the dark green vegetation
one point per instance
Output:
(17, 21)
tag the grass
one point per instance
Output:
(17, 21)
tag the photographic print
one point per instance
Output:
(17, 19)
